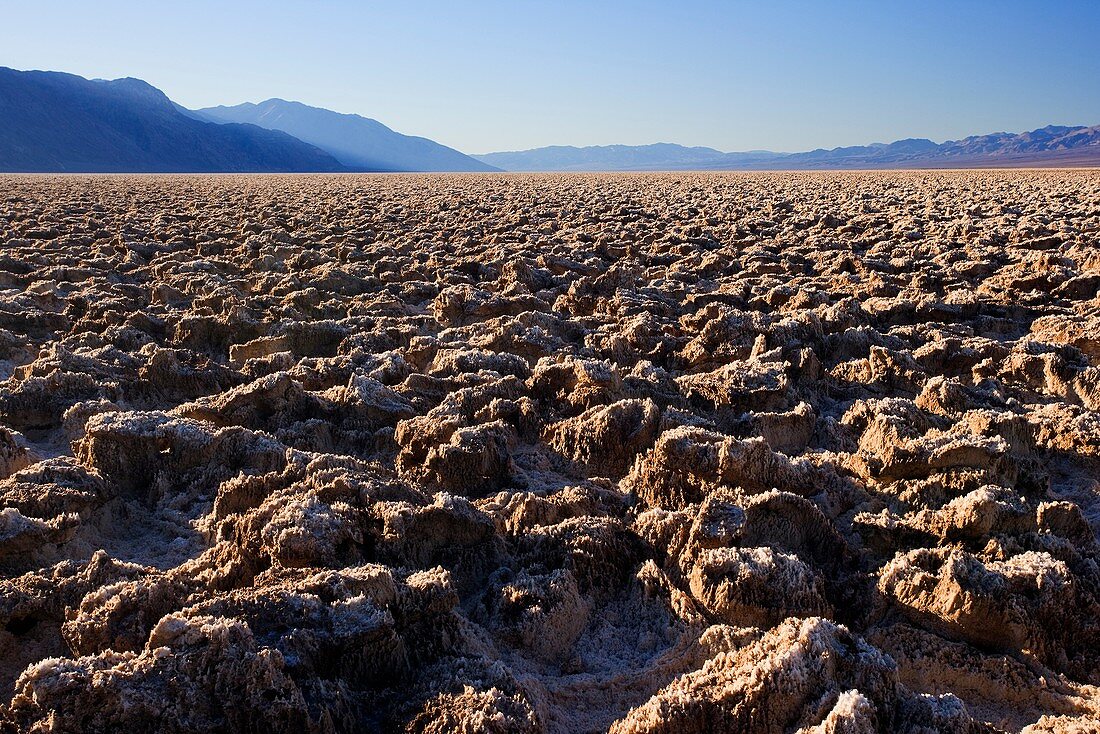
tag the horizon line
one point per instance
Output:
(566, 145)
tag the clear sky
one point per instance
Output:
(486, 76)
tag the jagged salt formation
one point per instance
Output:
(680, 453)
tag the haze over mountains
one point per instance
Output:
(357, 142)
(1048, 146)
(53, 122)
(655, 157)
(56, 122)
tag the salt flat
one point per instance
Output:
(648, 453)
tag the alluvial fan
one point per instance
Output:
(639, 453)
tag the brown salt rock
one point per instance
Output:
(723, 334)
(366, 402)
(688, 462)
(450, 362)
(1037, 377)
(1084, 334)
(948, 397)
(15, 454)
(261, 404)
(137, 450)
(258, 348)
(461, 304)
(471, 460)
(897, 442)
(197, 675)
(852, 713)
(739, 387)
(309, 532)
(1015, 605)
(791, 523)
(39, 401)
(679, 468)
(1016, 429)
(776, 684)
(175, 375)
(471, 695)
(1009, 694)
(213, 334)
(310, 514)
(120, 616)
(518, 512)
(543, 613)
(605, 440)
(529, 335)
(76, 416)
(755, 587)
(601, 552)
(935, 331)
(789, 431)
(578, 384)
(34, 606)
(20, 536)
(289, 634)
(347, 624)
(972, 518)
(1066, 429)
(54, 487)
(447, 531)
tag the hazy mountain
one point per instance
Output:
(55, 122)
(602, 157)
(655, 157)
(357, 142)
(1048, 146)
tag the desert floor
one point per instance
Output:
(647, 453)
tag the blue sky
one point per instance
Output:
(484, 76)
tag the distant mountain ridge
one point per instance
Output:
(656, 156)
(355, 141)
(1048, 146)
(52, 122)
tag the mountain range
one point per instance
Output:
(357, 142)
(55, 122)
(1048, 146)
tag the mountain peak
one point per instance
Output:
(356, 141)
(54, 122)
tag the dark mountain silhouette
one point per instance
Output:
(357, 142)
(55, 122)
(1048, 146)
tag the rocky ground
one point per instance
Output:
(640, 453)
